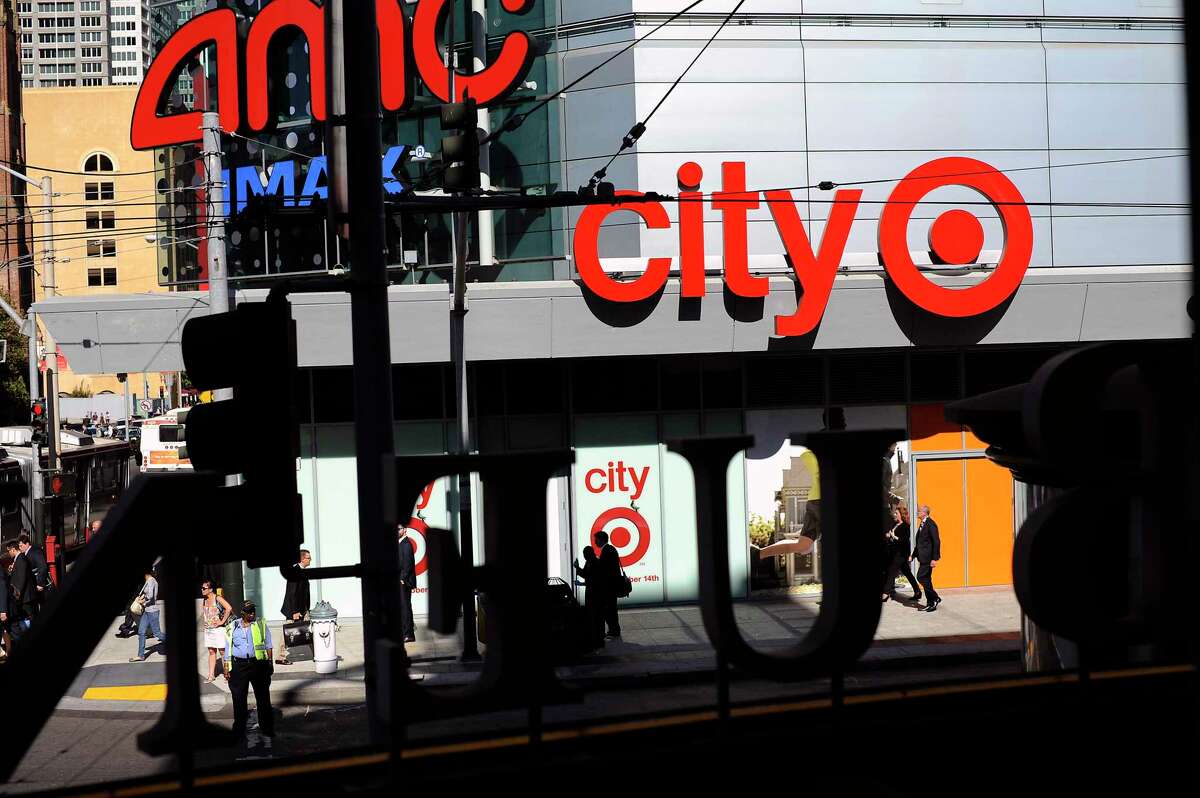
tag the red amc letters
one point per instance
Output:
(397, 45)
(956, 237)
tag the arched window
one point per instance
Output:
(98, 162)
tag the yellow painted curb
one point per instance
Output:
(132, 692)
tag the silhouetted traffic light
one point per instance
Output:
(252, 350)
(460, 152)
(37, 419)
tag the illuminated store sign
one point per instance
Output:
(245, 55)
(956, 237)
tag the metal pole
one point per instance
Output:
(485, 230)
(373, 428)
(49, 289)
(218, 287)
(460, 491)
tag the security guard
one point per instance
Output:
(248, 658)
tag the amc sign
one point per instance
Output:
(245, 55)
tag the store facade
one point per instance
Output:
(1076, 107)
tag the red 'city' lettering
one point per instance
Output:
(423, 502)
(597, 480)
(956, 237)
(219, 27)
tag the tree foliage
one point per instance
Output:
(14, 371)
(761, 530)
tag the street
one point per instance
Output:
(662, 664)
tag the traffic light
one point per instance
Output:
(256, 434)
(37, 420)
(460, 152)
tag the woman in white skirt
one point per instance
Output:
(216, 614)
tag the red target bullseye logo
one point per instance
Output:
(617, 523)
(416, 536)
(956, 236)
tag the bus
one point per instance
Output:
(93, 475)
(161, 439)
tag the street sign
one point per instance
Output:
(146, 405)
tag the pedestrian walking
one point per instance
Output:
(588, 572)
(296, 601)
(24, 591)
(42, 582)
(927, 553)
(408, 583)
(608, 572)
(5, 595)
(900, 549)
(150, 617)
(216, 613)
(248, 654)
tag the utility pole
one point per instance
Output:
(36, 491)
(379, 547)
(485, 228)
(460, 487)
(218, 288)
(50, 288)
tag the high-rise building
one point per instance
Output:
(88, 42)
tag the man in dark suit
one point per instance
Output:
(24, 590)
(608, 571)
(41, 568)
(408, 582)
(927, 553)
(296, 601)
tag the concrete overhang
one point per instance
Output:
(140, 332)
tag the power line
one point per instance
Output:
(638, 130)
(272, 146)
(52, 170)
(518, 119)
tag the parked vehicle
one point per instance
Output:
(160, 440)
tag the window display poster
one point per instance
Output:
(618, 490)
(431, 511)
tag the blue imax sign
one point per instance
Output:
(280, 179)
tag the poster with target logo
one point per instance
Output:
(618, 490)
(431, 511)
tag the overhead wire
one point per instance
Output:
(639, 129)
(261, 143)
(55, 171)
(516, 120)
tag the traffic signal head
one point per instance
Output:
(460, 152)
(256, 434)
(37, 420)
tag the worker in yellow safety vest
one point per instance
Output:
(248, 662)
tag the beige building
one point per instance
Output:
(104, 223)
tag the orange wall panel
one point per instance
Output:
(989, 523)
(940, 485)
(930, 432)
(970, 442)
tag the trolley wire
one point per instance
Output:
(639, 129)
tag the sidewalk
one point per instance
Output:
(657, 642)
